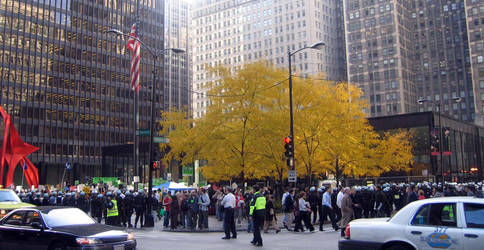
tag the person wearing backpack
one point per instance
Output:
(288, 210)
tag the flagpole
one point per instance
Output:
(23, 175)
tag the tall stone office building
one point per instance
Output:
(66, 82)
(236, 32)
(402, 51)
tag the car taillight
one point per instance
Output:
(347, 232)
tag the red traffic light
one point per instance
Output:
(287, 140)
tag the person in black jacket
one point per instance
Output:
(128, 207)
(411, 194)
(98, 207)
(313, 200)
(139, 208)
(381, 202)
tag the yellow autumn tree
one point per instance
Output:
(234, 121)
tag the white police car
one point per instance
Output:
(437, 223)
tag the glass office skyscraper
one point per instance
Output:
(66, 82)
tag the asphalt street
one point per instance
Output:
(155, 239)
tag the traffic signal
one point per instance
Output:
(156, 164)
(289, 147)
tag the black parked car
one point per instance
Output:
(59, 228)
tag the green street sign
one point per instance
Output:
(158, 139)
(143, 132)
(187, 171)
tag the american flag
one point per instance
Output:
(134, 46)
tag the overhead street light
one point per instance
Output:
(318, 46)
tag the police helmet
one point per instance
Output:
(54, 193)
(110, 205)
(94, 191)
(128, 192)
(335, 189)
(38, 194)
(118, 192)
(73, 193)
(99, 196)
(140, 191)
(108, 194)
(82, 193)
(312, 189)
(68, 194)
(22, 195)
(46, 195)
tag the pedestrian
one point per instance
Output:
(239, 206)
(112, 210)
(98, 207)
(218, 196)
(421, 195)
(175, 211)
(257, 211)
(183, 201)
(288, 210)
(228, 203)
(139, 208)
(250, 222)
(204, 203)
(327, 210)
(193, 209)
(167, 200)
(304, 214)
(129, 207)
(270, 215)
(313, 200)
(411, 195)
(346, 210)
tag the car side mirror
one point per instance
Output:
(37, 225)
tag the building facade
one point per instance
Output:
(401, 51)
(379, 48)
(235, 32)
(177, 71)
(475, 29)
(442, 58)
(65, 82)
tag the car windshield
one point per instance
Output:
(8, 195)
(67, 217)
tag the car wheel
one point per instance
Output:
(398, 247)
(58, 246)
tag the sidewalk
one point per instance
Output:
(213, 226)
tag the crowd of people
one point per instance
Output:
(308, 206)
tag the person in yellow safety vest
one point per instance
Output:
(112, 210)
(257, 211)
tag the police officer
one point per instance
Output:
(257, 211)
(128, 205)
(92, 202)
(45, 200)
(98, 207)
(67, 199)
(36, 201)
(83, 202)
(73, 199)
(112, 212)
(139, 208)
(60, 199)
(121, 199)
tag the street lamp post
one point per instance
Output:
(439, 104)
(318, 46)
(149, 220)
